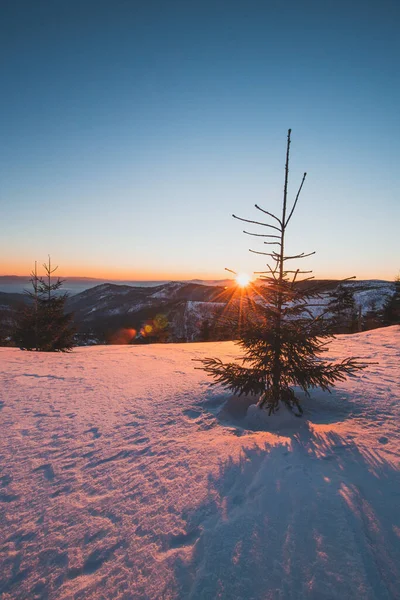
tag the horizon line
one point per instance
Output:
(183, 279)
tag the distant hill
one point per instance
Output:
(11, 299)
(74, 285)
(107, 308)
(177, 311)
(190, 308)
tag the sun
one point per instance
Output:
(243, 279)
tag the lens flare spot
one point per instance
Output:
(123, 336)
(160, 322)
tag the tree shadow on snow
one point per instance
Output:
(312, 518)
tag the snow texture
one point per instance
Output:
(126, 475)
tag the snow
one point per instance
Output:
(168, 290)
(126, 475)
(259, 419)
(372, 293)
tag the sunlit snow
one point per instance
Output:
(126, 475)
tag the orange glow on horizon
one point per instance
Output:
(67, 270)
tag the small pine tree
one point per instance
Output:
(5, 319)
(373, 316)
(26, 327)
(282, 340)
(43, 324)
(344, 311)
(391, 310)
(204, 332)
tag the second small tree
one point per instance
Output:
(43, 325)
(343, 310)
(391, 309)
(281, 338)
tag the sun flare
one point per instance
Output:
(243, 279)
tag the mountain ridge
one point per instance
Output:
(188, 310)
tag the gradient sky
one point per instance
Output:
(131, 131)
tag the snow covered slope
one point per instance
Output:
(125, 475)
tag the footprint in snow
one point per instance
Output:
(184, 539)
(131, 424)
(94, 431)
(4, 497)
(94, 561)
(5, 480)
(48, 471)
(192, 414)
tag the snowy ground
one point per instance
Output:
(124, 476)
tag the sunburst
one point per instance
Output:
(243, 279)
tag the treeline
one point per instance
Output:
(346, 316)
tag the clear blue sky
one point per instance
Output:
(131, 131)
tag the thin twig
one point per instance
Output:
(263, 253)
(295, 202)
(256, 223)
(268, 235)
(302, 255)
(268, 213)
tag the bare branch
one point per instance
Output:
(263, 253)
(295, 202)
(268, 235)
(268, 213)
(302, 255)
(256, 223)
(273, 271)
(294, 276)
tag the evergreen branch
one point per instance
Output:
(324, 375)
(239, 380)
